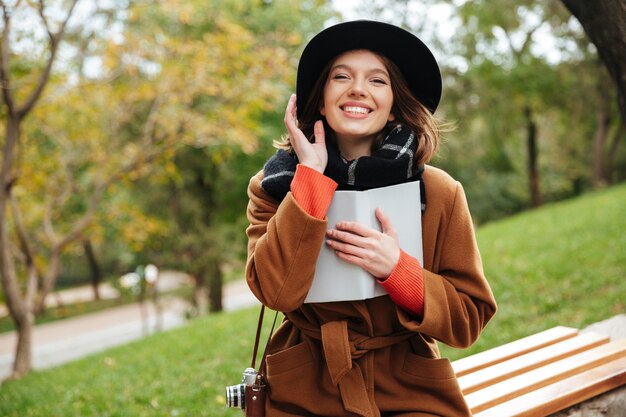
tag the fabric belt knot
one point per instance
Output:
(340, 351)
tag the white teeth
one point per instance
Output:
(353, 109)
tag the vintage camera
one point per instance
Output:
(236, 394)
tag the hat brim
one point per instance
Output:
(408, 52)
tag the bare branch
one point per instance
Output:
(519, 52)
(55, 39)
(148, 130)
(26, 252)
(42, 15)
(4, 61)
(20, 232)
(47, 221)
(528, 39)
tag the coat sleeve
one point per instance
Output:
(283, 244)
(458, 302)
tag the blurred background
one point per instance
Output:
(130, 130)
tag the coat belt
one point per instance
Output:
(340, 351)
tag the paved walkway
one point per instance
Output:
(69, 339)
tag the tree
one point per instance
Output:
(203, 197)
(523, 86)
(604, 22)
(16, 111)
(170, 77)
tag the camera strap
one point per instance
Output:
(257, 339)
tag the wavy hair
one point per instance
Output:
(407, 110)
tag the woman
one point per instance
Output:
(366, 92)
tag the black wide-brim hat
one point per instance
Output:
(407, 51)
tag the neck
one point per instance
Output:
(352, 150)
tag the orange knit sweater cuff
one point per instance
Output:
(405, 285)
(312, 190)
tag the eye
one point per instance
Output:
(340, 76)
(379, 81)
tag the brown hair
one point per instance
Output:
(407, 110)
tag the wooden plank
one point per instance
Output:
(510, 350)
(504, 370)
(563, 394)
(548, 374)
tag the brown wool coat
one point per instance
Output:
(366, 358)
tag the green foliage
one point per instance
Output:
(563, 264)
(173, 76)
(499, 60)
(200, 191)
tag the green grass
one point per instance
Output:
(563, 264)
(181, 372)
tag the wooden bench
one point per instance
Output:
(541, 374)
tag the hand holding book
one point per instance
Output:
(362, 243)
(377, 252)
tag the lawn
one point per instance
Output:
(563, 264)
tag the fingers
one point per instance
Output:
(355, 228)
(290, 116)
(385, 223)
(354, 239)
(318, 130)
(377, 255)
(375, 252)
(341, 240)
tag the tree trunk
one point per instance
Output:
(54, 267)
(23, 352)
(605, 23)
(200, 298)
(215, 287)
(599, 141)
(533, 172)
(94, 267)
(18, 306)
(619, 136)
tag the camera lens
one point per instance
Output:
(236, 396)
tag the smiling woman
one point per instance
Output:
(363, 119)
(357, 101)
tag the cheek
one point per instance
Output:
(387, 103)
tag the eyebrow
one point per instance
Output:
(371, 71)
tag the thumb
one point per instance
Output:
(385, 223)
(320, 134)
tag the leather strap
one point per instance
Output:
(267, 344)
(257, 339)
(258, 336)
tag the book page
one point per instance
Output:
(337, 280)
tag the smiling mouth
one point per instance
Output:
(356, 110)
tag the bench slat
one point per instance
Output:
(510, 350)
(563, 394)
(531, 360)
(548, 374)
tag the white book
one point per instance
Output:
(337, 280)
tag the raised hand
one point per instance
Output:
(374, 251)
(313, 155)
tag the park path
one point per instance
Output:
(70, 339)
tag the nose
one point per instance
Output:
(357, 89)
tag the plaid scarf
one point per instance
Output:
(393, 163)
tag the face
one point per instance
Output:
(357, 98)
